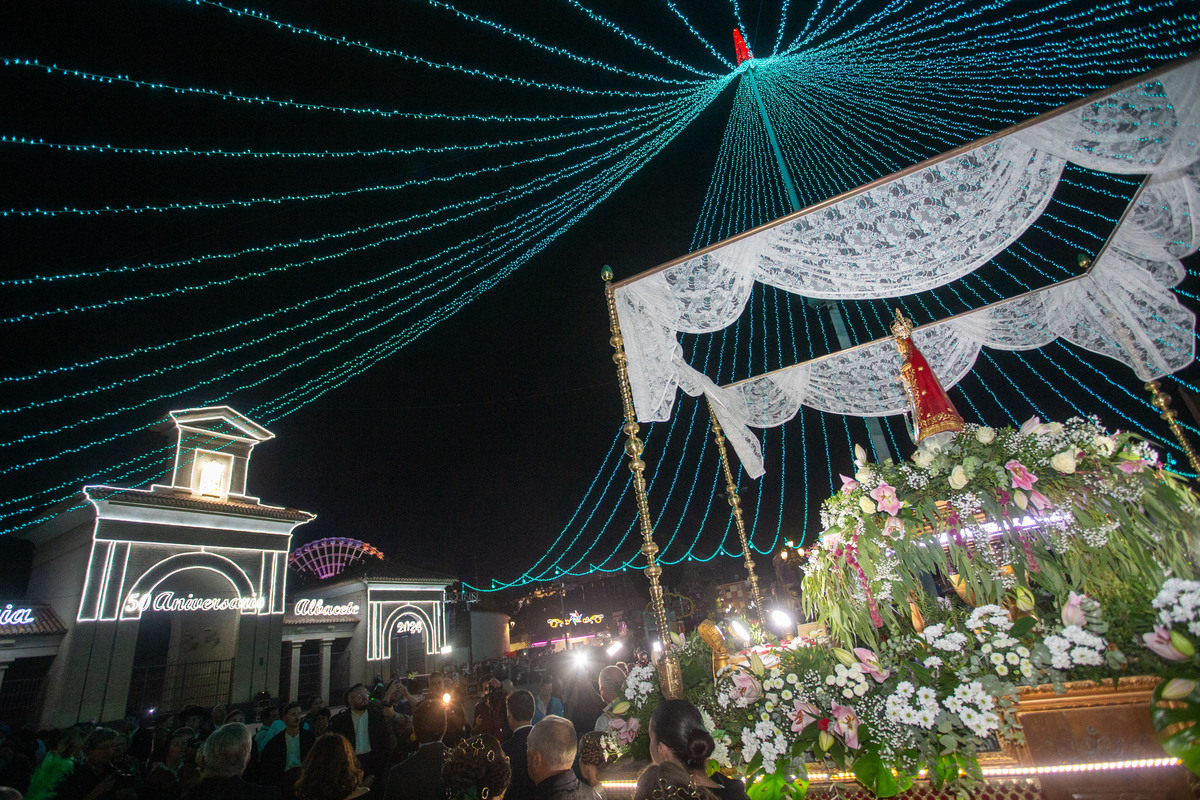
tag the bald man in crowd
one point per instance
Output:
(612, 688)
(551, 752)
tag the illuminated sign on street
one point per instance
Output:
(409, 626)
(575, 618)
(167, 601)
(317, 608)
(16, 616)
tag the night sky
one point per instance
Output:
(470, 443)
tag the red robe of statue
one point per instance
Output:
(933, 412)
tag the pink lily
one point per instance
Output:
(870, 664)
(1021, 477)
(847, 725)
(747, 686)
(848, 484)
(886, 497)
(893, 528)
(804, 715)
(1031, 425)
(1130, 467)
(1160, 643)
(1072, 613)
(1039, 500)
(626, 729)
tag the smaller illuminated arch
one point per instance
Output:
(432, 639)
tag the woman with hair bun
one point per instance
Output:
(677, 736)
(476, 769)
(669, 781)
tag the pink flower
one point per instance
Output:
(1160, 643)
(893, 528)
(1039, 500)
(804, 715)
(626, 729)
(847, 725)
(746, 686)
(1072, 613)
(1032, 425)
(1021, 477)
(848, 484)
(1130, 467)
(886, 497)
(870, 664)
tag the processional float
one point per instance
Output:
(987, 194)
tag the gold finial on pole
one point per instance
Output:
(670, 675)
(902, 327)
(735, 506)
(1162, 401)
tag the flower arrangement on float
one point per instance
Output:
(1070, 555)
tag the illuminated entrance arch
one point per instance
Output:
(141, 596)
(391, 606)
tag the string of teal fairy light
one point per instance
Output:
(835, 68)
(720, 176)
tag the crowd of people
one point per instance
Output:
(388, 742)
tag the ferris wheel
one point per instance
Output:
(325, 558)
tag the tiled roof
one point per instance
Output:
(173, 499)
(291, 619)
(45, 623)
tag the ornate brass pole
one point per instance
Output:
(1162, 401)
(670, 676)
(735, 506)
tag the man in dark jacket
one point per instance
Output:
(369, 729)
(419, 777)
(223, 758)
(551, 749)
(520, 718)
(285, 752)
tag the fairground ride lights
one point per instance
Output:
(16, 616)
(317, 608)
(167, 601)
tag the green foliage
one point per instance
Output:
(1176, 721)
(1111, 526)
(872, 773)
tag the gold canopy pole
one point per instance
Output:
(670, 676)
(1162, 401)
(735, 507)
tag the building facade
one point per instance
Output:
(174, 594)
(160, 598)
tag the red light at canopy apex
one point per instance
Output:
(739, 47)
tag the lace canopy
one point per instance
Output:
(926, 227)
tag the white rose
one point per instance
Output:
(863, 475)
(866, 505)
(1064, 461)
(1105, 445)
(1052, 428)
(923, 458)
(958, 478)
(985, 435)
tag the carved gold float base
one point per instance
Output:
(1094, 723)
